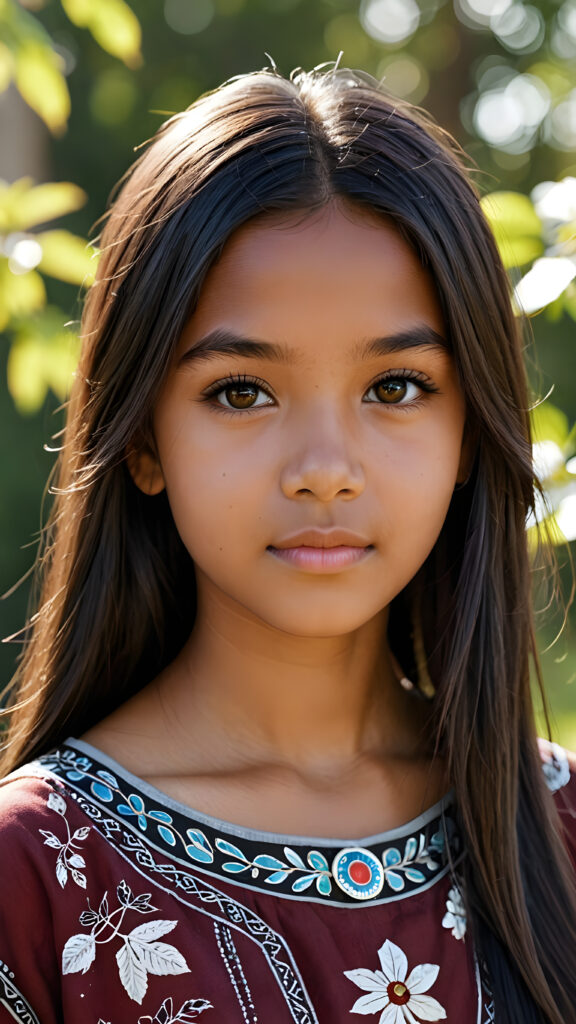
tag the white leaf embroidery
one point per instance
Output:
(81, 833)
(61, 872)
(78, 954)
(88, 917)
(151, 930)
(76, 861)
(79, 878)
(142, 904)
(160, 957)
(191, 1009)
(57, 803)
(132, 972)
(51, 840)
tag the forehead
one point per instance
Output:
(341, 271)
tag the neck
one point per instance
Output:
(260, 695)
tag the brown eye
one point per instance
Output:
(240, 396)
(391, 391)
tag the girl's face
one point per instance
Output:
(312, 390)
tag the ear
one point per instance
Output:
(145, 469)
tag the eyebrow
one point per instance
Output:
(223, 341)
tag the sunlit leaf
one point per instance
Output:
(42, 84)
(544, 282)
(112, 23)
(67, 257)
(6, 67)
(516, 226)
(26, 379)
(549, 424)
(43, 356)
(47, 202)
(20, 294)
(548, 531)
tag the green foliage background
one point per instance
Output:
(102, 76)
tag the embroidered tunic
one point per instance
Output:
(120, 905)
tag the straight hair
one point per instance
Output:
(116, 597)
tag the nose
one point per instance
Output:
(323, 464)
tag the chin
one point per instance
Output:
(321, 621)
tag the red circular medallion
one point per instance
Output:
(360, 872)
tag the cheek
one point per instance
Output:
(416, 480)
(215, 499)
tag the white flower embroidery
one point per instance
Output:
(399, 997)
(555, 765)
(68, 859)
(455, 916)
(140, 954)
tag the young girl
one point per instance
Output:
(272, 751)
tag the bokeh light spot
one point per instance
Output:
(509, 117)
(519, 28)
(188, 18)
(390, 21)
(405, 77)
(561, 124)
(475, 13)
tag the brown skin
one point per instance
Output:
(284, 711)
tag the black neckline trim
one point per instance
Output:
(386, 867)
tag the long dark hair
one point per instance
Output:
(117, 600)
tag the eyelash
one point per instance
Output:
(413, 376)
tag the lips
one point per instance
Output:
(333, 537)
(322, 551)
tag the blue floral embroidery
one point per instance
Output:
(300, 871)
(320, 872)
(135, 806)
(75, 774)
(199, 847)
(398, 868)
(104, 792)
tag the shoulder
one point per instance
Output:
(36, 812)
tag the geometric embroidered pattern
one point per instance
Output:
(12, 999)
(233, 965)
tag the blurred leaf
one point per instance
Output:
(26, 380)
(548, 532)
(20, 294)
(544, 283)
(47, 202)
(569, 303)
(516, 226)
(549, 424)
(44, 355)
(6, 67)
(555, 310)
(112, 23)
(42, 84)
(67, 257)
(10, 197)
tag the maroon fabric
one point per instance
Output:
(117, 908)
